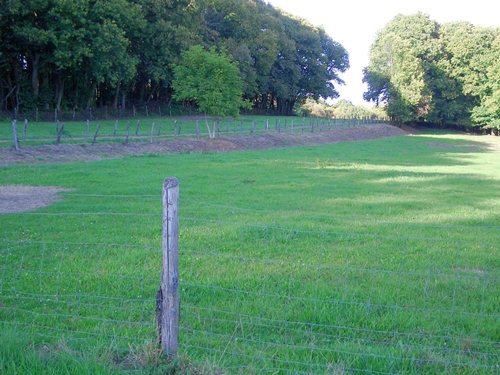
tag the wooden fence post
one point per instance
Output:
(137, 127)
(14, 133)
(167, 298)
(152, 133)
(127, 132)
(95, 134)
(25, 129)
(59, 132)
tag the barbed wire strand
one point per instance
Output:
(337, 351)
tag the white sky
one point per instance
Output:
(354, 23)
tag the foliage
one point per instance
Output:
(81, 54)
(423, 71)
(211, 80)
(341, 109)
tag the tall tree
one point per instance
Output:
(211, 80)
(422, 71)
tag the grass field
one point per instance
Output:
(376, 257)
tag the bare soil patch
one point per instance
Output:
(85, 152)
(27, 198)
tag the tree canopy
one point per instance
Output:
(77, 54)
(445, 74)
(211, 80)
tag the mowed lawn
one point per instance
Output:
(375, 257)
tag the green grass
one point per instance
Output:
(39, 133)
(377, 255)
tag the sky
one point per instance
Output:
(355, 23)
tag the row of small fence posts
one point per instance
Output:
(167, 298)
(216, 129)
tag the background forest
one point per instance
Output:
(442, 74)
(76, 55)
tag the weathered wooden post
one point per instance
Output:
(25, 129)
(167, 298)
(152, 133)
(95, 134)
(14, 133)
(127, 132)
(88, 128)
(137, 127)
(59, 132)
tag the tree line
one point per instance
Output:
(79, 54)
(342, 109)
(422, 71)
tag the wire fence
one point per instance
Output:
(259, 303)
(155, 130)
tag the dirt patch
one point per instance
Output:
(27, 198)
(84, 152)
(410, 129)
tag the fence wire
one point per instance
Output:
(293, 316)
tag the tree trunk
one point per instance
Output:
(59, 90)
(11, 87)
(117, 95)
(124, 99)
(92, 95)
(35, 81)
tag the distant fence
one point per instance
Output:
(96, 294)
(103, 113)
(126, 131)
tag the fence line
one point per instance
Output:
(343, 327)
(261, 226)
(331, 350)
(338, 301)
(269, 322)
(310, 214)
(332, 338)
(334, 301)
(262, 358)
(153, 133)
(219, 254)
